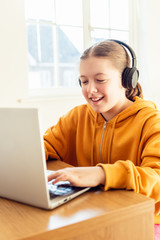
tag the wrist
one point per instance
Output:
(102, 176)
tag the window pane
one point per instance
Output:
(68, 75)
(119, 18)
(46, 40)
(123, 36)
(41, 67)
(101, 35)
(41, 76)
(32, 44)
(39, 9)
(98, 35)
(69, 49)
(70, 43)
(99, 13)
(69, 12)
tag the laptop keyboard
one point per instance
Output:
(62, 188)
(59, 189)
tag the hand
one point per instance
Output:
(80, 176)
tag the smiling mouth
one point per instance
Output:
(96, 99)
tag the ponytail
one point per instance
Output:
(137, 91)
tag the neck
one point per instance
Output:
(117, 109)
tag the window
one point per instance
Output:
(59, 30)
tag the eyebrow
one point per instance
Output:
(95, 75)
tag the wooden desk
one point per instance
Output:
(112, 215)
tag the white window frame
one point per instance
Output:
(52, 93)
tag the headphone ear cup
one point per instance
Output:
(130, 77)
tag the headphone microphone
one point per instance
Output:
(130, 75)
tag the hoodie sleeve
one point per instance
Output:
(144, 178)
(57, 139)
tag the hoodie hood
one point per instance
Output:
(138, 105)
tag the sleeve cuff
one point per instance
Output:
(116, 175)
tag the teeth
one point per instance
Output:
(95, 99)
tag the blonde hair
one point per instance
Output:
(119, 57)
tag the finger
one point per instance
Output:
(53, 176)
(50, 177)
(59, 178)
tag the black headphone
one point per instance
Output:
(130, 74)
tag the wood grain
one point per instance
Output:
(116, 214)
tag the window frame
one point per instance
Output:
(65, 92)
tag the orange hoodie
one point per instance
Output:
(127, 147)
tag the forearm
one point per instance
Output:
(80, 176)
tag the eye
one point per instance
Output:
(84, 82)
(100, 81)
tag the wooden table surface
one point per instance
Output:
(111, 215)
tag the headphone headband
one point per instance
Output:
(123, 44)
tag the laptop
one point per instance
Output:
(23, 172)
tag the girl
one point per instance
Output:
(114, 140)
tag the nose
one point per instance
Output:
(91, 87)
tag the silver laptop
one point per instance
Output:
(23, 174)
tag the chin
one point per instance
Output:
(97, 110)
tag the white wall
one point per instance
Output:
(149, 39)
(13, 60)
(52, 109)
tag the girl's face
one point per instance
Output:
(102, 86)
